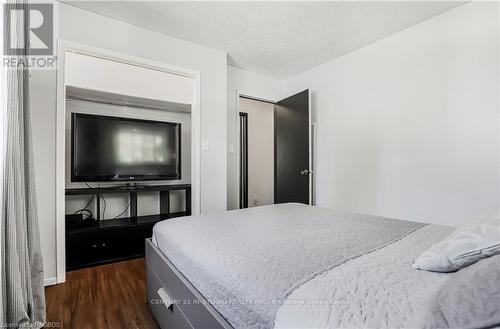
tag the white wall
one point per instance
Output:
(43, 105)
(249, 84)
(103, 32)
(407, 127)
(114, 77)
(98, 31)
(260, 122)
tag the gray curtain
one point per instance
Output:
(22, 298)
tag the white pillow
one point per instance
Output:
(463, 247)
(468, 299)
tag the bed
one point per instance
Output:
(289, 266)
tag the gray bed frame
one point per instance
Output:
(165, 284)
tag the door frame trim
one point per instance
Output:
(257, 99)
(243, 192)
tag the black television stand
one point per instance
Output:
(102, 241)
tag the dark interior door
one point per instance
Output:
(291, 149)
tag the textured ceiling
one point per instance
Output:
(278, 39)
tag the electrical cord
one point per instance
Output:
(105, 205)
(83, 210)
(85, 207)
(122, 211)
(99, 195)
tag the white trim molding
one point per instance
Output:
(50, 282)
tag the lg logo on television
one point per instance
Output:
(29, 35)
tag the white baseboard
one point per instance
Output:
(50, 282)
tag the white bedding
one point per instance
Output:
(377, 290)
(246, 262)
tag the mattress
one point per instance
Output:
(250, 263)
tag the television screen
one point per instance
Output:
(121, 149)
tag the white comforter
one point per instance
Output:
(376, 290)
(247, 262)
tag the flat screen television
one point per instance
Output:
(108, 148)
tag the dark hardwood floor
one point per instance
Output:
(109, 296)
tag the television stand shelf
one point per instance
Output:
(108, 240)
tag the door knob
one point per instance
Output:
(305, 172)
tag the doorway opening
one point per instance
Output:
(275, 163)
(256, 153)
